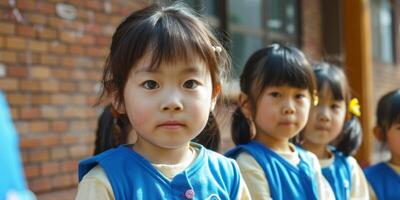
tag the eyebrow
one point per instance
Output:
(187, 70)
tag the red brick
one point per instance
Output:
(31, 171)
(46, 8)
(58, 48)
(103, 41)
(29, 113)
(48, 33)
(87, 39)
(17, 71)
(68, 87)
(40, 184)
(37, 18)
(59, 153)
(68, 62)
(67, 36)
(26, 5)
(2, 41)
(95, 5)
(46, 59)
(18, 99)
(8, 56)
(77, 50)
(18, 43)
(14, 113)
(26, 31)
(8, 84)
(39, 126)
(29, 142)
(40, 99)
(59, 126)
(7, 28)
(37, 46)
(28, 58)
(38, 155)
(50, 141)
(29, 85)
(70, 139)
(49, 86)
(61, 73)
(62, 181)
(50, 112)
(49, 168)
(60, 99)
(78, 151)
(40, 72)
(22, 127)
(69, 165)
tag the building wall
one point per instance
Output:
(50, 68)
(311, 30)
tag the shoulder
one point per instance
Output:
(95, 185)
(247, 162)
(374, 169)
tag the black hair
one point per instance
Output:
(166, 34)
(388, 111)
(275, 65)
(335, 79)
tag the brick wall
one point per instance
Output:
(311, 31)
(49, 70)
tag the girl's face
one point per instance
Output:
(169, 106)
(393, 140)
(326, 119)
(281, 112)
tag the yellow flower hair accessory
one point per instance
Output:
(354, 107)
(315, 98)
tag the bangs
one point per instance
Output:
(176, 39)
(394, 109)
(334, 78)
(285, 69)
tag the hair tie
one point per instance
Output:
(354, 107)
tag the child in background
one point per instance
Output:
(384, 177)
(277, 90)
(164, 72)
(333, 133)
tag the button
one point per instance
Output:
(189, 194)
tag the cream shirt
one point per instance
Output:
(95, 184)
(359, 188)
(396, 168)
(257, 183)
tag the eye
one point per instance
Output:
(191, 84)
(150, 85)
(275, 94)
(300, 96)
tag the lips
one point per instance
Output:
(287, 123)
(171, 125)
(320, 128)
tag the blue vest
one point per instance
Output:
(338, 174)
(384, 180)
(210, 176)
(285, 180)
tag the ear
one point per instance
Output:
(119, 107)
(379, 134)
(216, 92)
(245, 105)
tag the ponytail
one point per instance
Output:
(112, 130)
(350, 139)
(240, 128)
(210, 137)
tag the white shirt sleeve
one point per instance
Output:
(324, 189)
(359, 188)
(95, 186)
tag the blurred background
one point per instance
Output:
(52, 53)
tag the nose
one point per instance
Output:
(172, 101)
(323, 115)
(288, 107)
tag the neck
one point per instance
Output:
(320, 150)
(160, 155)
(276, 144)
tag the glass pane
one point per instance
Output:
(382, 39)
(282, 17)
(245, 13)
(242, 46)
(209, 8)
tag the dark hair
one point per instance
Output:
(388, 111)
(275, 65)
(111, 131)
(335, 79)
(166, 34)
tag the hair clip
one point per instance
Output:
(217, 49)
(315, 98)
(354, 107)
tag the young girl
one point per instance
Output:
(277, 90)
(384, 177)
(163, 72)
(333, 133)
